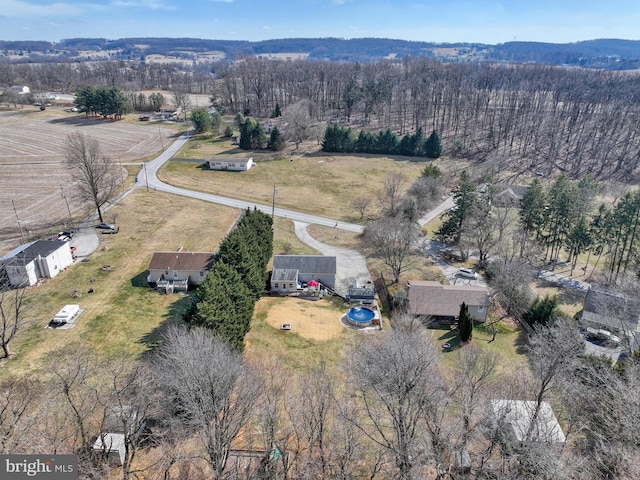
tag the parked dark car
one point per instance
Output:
(106, 226)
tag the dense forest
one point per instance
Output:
(523, 118)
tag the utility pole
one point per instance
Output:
(273, 202)
(68, 209)
(18, 219)
(146, 179)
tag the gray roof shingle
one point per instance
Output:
(432, 298)
(306, 263)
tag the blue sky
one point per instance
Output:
(484, 21)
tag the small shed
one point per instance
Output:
(526, 421)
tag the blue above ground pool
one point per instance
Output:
(360, 316)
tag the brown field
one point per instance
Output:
(32, 161)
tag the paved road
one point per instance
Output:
(148, 176)
(350, 264)
(436, 212)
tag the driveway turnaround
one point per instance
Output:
(350, 264)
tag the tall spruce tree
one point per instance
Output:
(432, 147)
(224, 304)
(276, 140)
(465, 323)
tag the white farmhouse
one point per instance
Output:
(41, 259)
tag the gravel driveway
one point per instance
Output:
(350, 264)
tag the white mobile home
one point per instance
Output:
(229, 163)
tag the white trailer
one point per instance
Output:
(67, 314)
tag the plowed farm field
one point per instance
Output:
(32, 166)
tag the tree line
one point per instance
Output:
(103, 101)
(225, 300)
(342, 139)
(525, 117)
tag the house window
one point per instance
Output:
(291, 285)
(201, 273)
(481, 308)
(275, 285)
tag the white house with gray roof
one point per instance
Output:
(290, 272)
(40, 259)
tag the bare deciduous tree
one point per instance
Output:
(97, 177)
(360, 205)
(392, 194)
(299, 121)
(13, 313)
(210, 387)
(396, 382)
(18, 397)
(392, 240)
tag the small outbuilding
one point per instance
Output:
(526, 422)
(229, 163)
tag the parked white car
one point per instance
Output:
(467, 273)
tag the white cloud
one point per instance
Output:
(25, 8)
(149, 4)
(20, 8)
(266, 27)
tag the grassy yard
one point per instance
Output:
(316, 334)
(315, 183)
(123, 317)
(506, 344)
(569, 301)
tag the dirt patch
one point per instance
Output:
(313, 320)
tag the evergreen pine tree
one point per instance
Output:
(224, 304)
(465, 323)
(276, 140)
(432, 147)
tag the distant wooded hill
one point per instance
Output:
(611, 54)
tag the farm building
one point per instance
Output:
(290, 272)
(169, 271)
(40, 259)
(229, 163)
(168, 111)
(438, 304)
